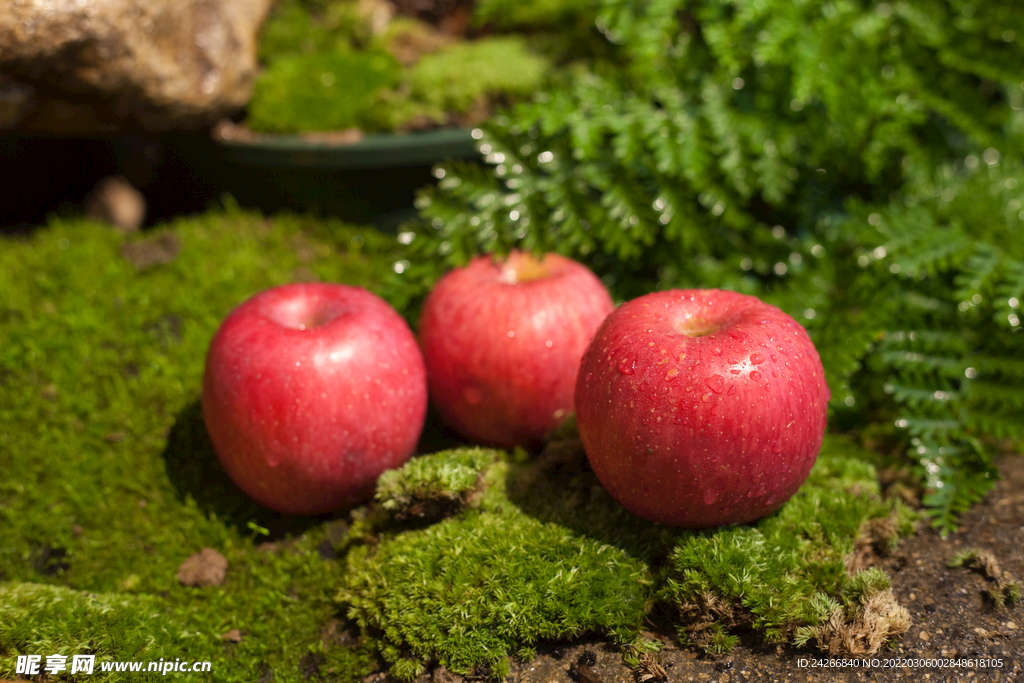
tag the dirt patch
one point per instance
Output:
(51, 560)
(152, 251)
(205, 568)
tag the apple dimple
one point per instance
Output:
(693, 326)
(304, 314)
(521, 267)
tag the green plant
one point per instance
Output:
(320, 91)
(327, 68)
(450, 83)
(297, 27)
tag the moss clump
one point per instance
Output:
(333, 65)
(767, 575)
(322, 91)
(42, 620)
(1007, 590)
(548, 555)
(435, 486)
(304, 27)
(449, 84)
(870, 617)
(469, 591)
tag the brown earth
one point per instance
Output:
(954, 620)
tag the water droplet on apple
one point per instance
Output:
(732, 391)
(473, 396)
(671, 374)
(626, 367)
(756, 358)
(710, 496)
(717, 352)
(715, 383)
(756, 376)
(777, 447)
(272, 460)
(705, 398)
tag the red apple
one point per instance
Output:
(701, 407)
(310, 392)
(502, 340)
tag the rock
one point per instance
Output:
(232, 636)
(205, 568)
(115, 201)
(100, 66)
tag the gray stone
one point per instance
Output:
(94, 66)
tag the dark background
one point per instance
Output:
(186, 173)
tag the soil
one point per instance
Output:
(954, 619)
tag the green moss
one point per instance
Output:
(327, 71)
(108, 478)
(297, 27)
(468, 592)
(321, 91)
(549, 555)
(295, 587)
(436, 485)
(44, 620)
(509, 14)
(767, 575)
(454, 80)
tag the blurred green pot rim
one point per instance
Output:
(346, 149)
